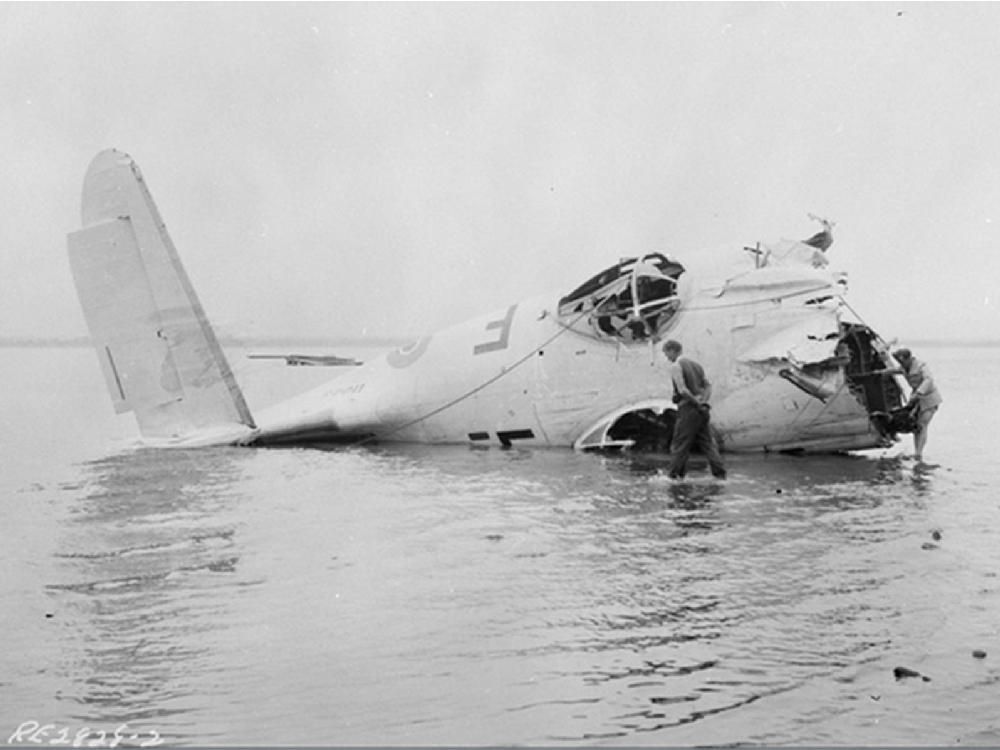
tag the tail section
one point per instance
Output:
(159, 355)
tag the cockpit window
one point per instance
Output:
(633, 300)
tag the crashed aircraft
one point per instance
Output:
(792, 370)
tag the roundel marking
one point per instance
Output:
(407, 355)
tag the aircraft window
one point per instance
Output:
(591, 286)
(631, 301)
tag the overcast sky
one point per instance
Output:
(385, 169)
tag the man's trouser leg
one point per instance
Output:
(686, 428)
(706, 443)
(924, 417)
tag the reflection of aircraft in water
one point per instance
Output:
(790, 370)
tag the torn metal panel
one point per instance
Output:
(812, 340)
(782, 282)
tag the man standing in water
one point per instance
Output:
(924, 396)
(692, 392)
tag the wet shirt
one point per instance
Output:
(688, 377)
(918, 375)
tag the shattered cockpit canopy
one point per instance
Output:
(633, 300)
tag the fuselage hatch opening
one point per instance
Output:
(880, 393)
(647, 426)
(633, 301)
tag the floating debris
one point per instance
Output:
(901, 673)
(979, 653)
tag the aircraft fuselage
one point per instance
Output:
(789, 371)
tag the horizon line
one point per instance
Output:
(274, 340)
(244, 341)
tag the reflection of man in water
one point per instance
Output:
(692, 392)
(924, 396)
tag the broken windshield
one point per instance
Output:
(633, 300)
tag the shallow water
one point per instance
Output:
(417, 595)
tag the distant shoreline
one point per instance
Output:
(82, 342)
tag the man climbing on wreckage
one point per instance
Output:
(924, 396)
(692, 392)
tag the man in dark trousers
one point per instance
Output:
(692, 392)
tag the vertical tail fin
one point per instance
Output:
(159, 355)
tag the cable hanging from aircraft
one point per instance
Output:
(473, 391)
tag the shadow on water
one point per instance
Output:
(146, 550)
